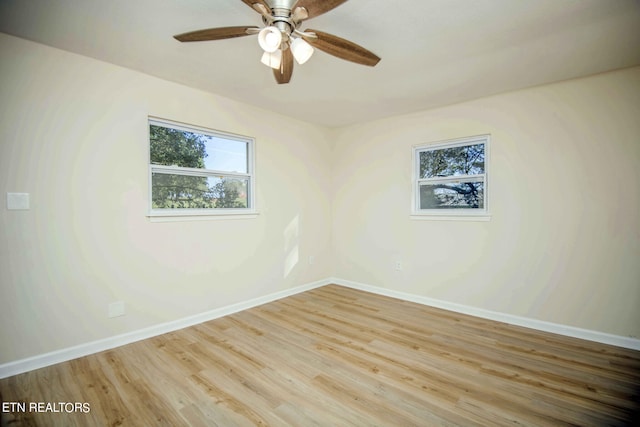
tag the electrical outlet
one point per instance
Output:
(312, 259)
(116, 309)
(398, 265)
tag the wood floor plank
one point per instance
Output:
(340, 356)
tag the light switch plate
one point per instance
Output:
(18, 201)
(116, 309)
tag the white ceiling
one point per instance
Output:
(434, 52)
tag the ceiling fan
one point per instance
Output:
(281, 39)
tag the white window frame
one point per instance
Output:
(468, 214)
(199, 214)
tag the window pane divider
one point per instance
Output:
(196, 171)
(453, 178)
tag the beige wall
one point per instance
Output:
(563, 243)
(73, 134)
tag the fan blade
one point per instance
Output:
(259, 6)
(215, 34)
(341, 48)
(318, 7)
(283, 75)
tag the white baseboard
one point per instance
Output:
(47, 359)
(570, 331)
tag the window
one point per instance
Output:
(196, 171)
(451, 177)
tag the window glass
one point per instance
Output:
(225, 155)
(454, 161)
(172, 191)
(459, 195)
(198, 169)
(174, 147)
(451, 177)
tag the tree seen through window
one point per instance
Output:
(180, 176)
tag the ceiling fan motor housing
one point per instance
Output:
(285, 26)
(281, 4)
(281, 17)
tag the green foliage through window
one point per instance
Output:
(181, 164)
(172, 147)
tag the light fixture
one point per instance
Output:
(272, 59)
(301, 50)
(269, 39)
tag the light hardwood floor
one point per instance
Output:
(335, 356)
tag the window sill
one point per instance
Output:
(450, 217)
(199, 216)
